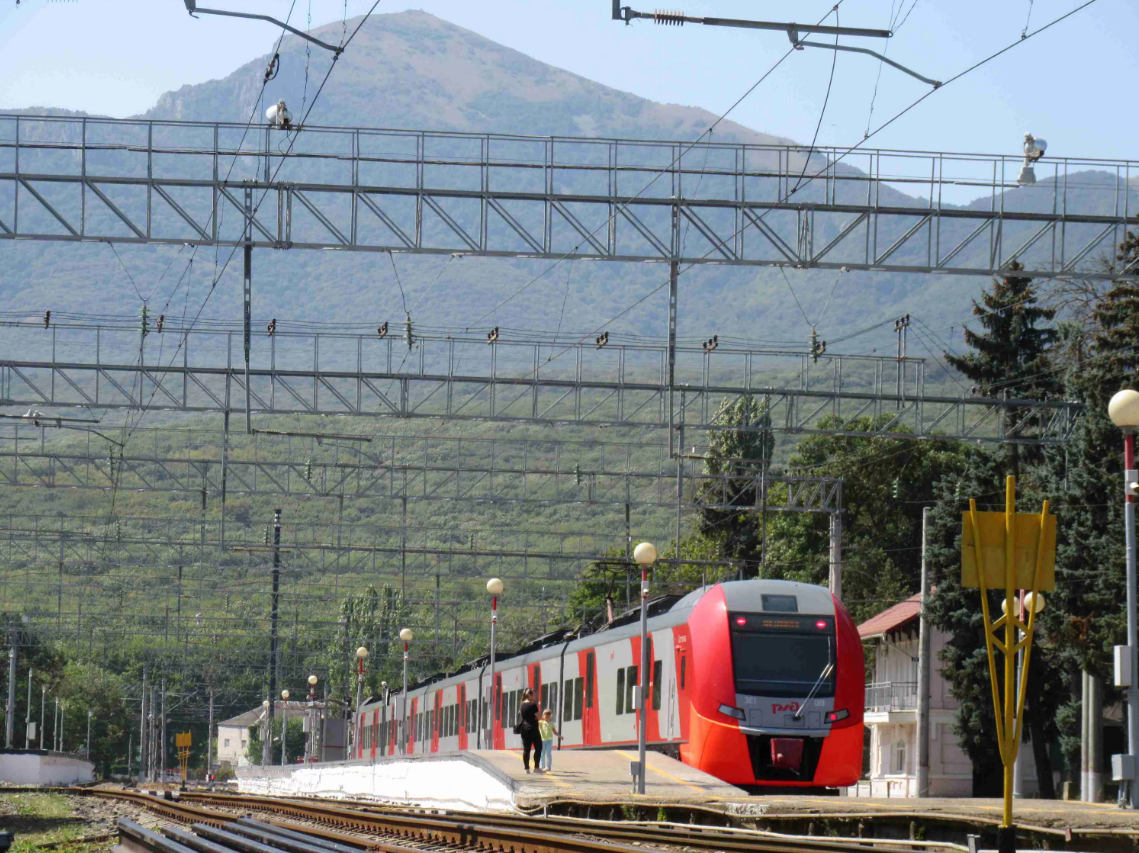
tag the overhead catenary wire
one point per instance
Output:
(859, 144)
(605, 224)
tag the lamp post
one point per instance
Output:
(384, 727)
(407, 635)
(284, 725)
(645, 554)
(311, 742)
(361, 656)
(1124, 413)
(494, 587)
(266, 734)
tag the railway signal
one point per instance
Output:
(382, 331)
(711, 343)
(492, 335)
(1016, 551)
(601, 340)
(272, 327)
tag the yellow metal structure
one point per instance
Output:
(1017, 551)
(182, 741)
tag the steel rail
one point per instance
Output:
(507, 833)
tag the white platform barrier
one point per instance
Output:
(460, 782)
(43, 767)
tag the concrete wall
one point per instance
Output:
(459, 782)
(41, 767)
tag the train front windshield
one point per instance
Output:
(791, 660)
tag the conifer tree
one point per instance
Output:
(1085, 614)
(1010, 358)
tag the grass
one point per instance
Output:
(40, 819)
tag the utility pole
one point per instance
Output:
(835, 572)
(1091, 783)
(247, 299)
(162, 731)
(143, 746)
(273, 629)
(924, 662)
(210, 740)
(10, 717)
(28, 713)
(43, 716)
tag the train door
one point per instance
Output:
(591, 725)
(436, 723)
(572, 698)
(498, 732)
(373, 736)
(462, 711)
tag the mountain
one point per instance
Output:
(412, 70)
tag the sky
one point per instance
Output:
(1069, 84)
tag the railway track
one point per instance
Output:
(636, 834)
(402, 831)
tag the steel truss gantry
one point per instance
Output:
(498, 195)
(395, 467)
(459, 378)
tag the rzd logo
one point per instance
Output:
(779, 709)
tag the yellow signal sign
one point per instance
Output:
(182, 740)
(1027, 544)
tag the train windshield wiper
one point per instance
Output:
(818, 683)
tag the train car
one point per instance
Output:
(758, 682)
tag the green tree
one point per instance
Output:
(294, 743)
(956, 610)
(1011, 357)
(737, 458)
(1085, 615)
(881, 533)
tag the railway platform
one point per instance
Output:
(494, 780)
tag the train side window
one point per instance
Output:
(554, 697)
(578, 685)
(657, 671)
(630, 687)
(545, 696)
(683, 669)
(621, 691)
(589, 680)
(567, 710)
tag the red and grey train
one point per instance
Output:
(758, 682)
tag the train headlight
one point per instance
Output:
(729, 711)
(836, 716)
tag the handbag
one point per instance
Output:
(517, 728)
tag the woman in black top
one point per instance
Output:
(531, 738)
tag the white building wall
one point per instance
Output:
(893, 739)
(232, 742)
(40, 767)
